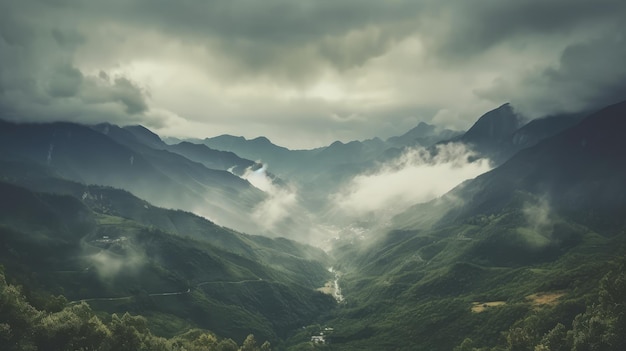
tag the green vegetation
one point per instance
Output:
(412, 290)
(76, 327)
(526, 257)
(600, 327)
(416, 289)
(120, 258)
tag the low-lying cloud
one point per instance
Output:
(416, 176)
(538, 215)
(280, 202)
(108, 264)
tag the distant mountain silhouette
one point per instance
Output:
(423, 134)
(210, 158)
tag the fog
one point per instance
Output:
(279, 204)
(416, 176)
(538, 215)
(108, 264)
(540, 223)
(366, 202)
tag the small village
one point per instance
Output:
(321, 338)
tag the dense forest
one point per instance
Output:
(600, 327)
(54, 324)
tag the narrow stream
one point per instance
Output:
(337, 291)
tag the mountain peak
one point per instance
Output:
(261, 140)
(145, 136)
(493, 126)
(422, 130)
(423, 134)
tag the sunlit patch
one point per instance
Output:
(543, 299)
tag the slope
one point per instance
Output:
(117, 159)
(547, 223)
(86, 249)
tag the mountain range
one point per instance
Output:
(118, 218)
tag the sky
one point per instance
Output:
(306, 73)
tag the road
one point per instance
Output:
(166, 293)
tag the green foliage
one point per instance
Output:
(122, 260)
(600, 327)
(414, 289)
(76, 327)
(466, 345)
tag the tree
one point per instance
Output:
(17, 318)
(519, 339)
(227, 345)
(249, 344)
(125, 334)
(266, 346)
(603, 325)
(554, 340)
(466, 345)
(205, 341)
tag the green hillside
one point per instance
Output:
(87, 251)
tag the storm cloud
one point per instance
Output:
(306, 73)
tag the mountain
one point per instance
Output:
(258, 149)
(423, 134)
(214, 159)
(493, 127)
(122, 254)
(515, 251)
(538, 129)
(297, 164)
(139, 136)
(146, 136)
(339, 161)
(110, 155)
(500, 134)
(580, 172)
(562, 169)
(527, 256)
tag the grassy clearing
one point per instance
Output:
(542, 299)
(478, 307)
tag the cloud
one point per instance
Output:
(284, 213)
(284, 68)
(40, 79)
(64, 82)
(481, 25)
(281, 203)
(588, 76)
(538, 215)
(416, 176)
(108, 264)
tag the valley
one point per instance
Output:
(332, 288)
(435, 240)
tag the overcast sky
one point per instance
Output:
(306, 73)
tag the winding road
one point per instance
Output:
(166, 293)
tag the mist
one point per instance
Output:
(538, 215)
(366, 202)
(109, 264)
(416, 176)
(279, 204)
(539, 223)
